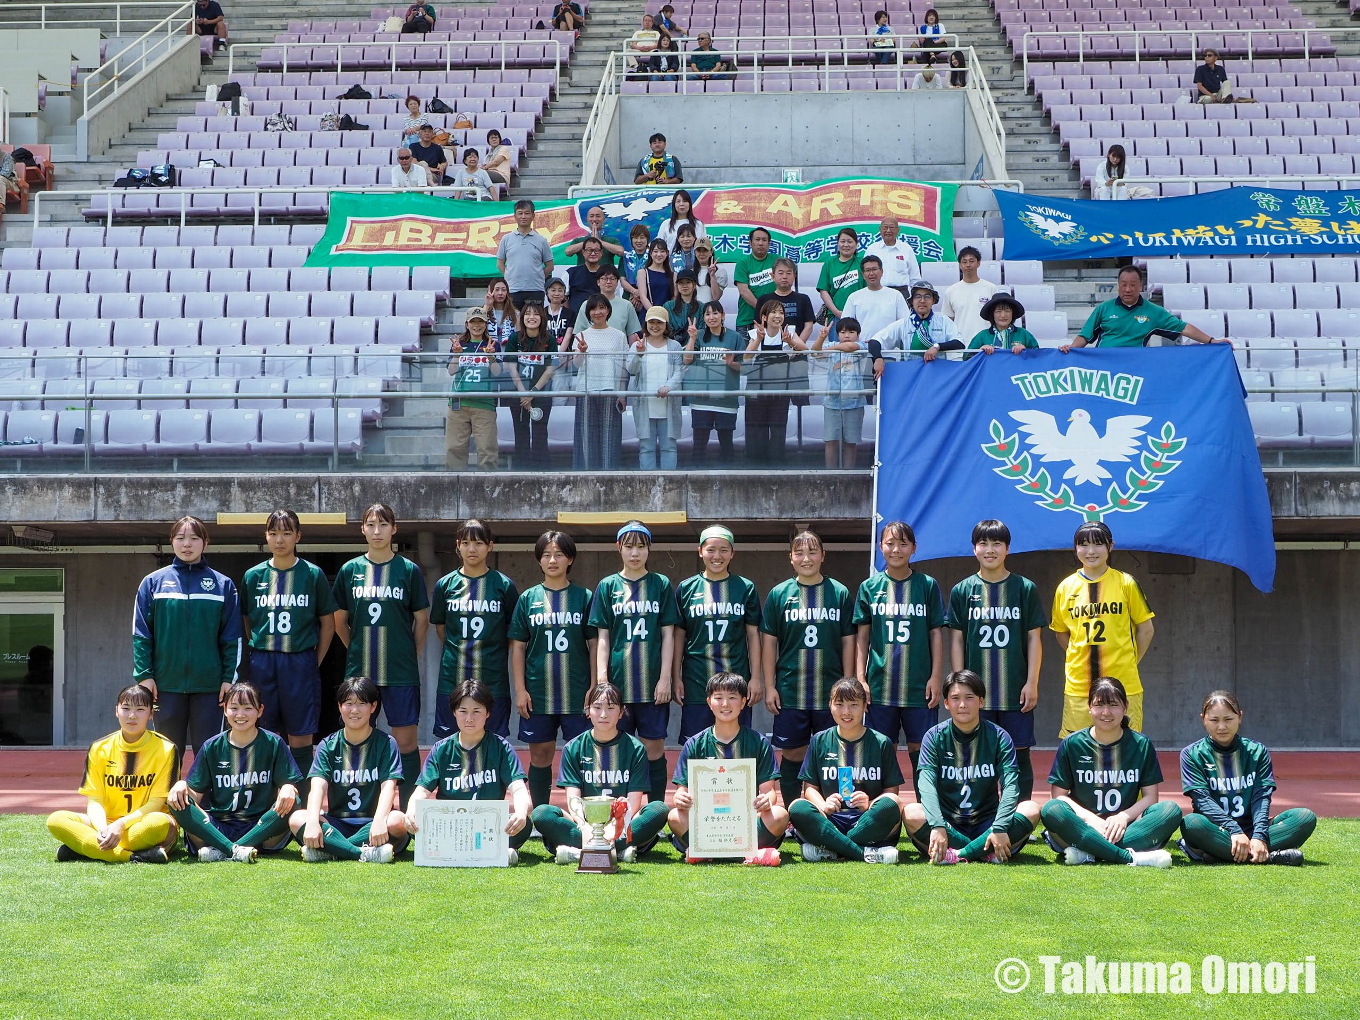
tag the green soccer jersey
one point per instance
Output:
(808, 622)
(614, 768)
(996, 618)
(554, 625)
(1235, 777)
(900, 616)
(841, 279)
(968, 779)
(484, 772)
(285, 606)
(871, 759)
(746, 744)
(758, 275)
(238, 784)
(475, 614)
(1105, 778)
(354, 773)
(714, 616)
(631, 614)
(382, 600)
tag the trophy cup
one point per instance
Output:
(597, 856)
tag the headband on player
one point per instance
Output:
(717, 531)
(641, 529)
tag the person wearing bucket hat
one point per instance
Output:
(1003, 312)
(474, 363)
(921, 333)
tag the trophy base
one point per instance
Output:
(598, 860)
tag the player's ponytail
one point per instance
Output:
(1106, 690)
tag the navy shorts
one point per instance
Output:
(234, 830)
(188, 719)
(890, 720)
(973, 831)
(541, 728)
(699, 717)
(794, 727)
(401, 705)
(498, 722)
(290, 687)
(646, 720)
(1018, 725)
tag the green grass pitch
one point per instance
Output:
(281, 939)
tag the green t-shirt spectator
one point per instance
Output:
(1114, 324)
(841, 279)
(758, 274)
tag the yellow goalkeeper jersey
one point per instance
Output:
(126, 777)
(1099, 618)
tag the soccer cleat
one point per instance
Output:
(1076, 855)
(1053, 844)
(244, 854)
(514, 857)
(1193, 855)
(880, 855)
(376, 854)
(768, 857)
(814, 854)
(211, 855)
(65, 853)
(629, 855)
(568, 855)
(1150, 859)
(1293, 858)
(156, 855)
(951, 856)
(312, 855)
(991, 859)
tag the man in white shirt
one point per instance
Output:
(900, 265)
(926, 78)
(408, 173)
(875, 306)
(964, 300)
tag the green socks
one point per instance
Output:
(914, 753)
(338, 846)
(303, 756)
(540, 784)
(790, 787)
(656, 775)
(1018, 831)
(1152, 829)
(819, 830)
(410, 772)
(646, 826)
(881, 825)
(556, 827)
(268, 828)
(1026, 768)
(196, 823)
(1075, 831)
(1289, 830)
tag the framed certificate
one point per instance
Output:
(722, 820)
(462, 834)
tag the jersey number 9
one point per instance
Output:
(374, 612)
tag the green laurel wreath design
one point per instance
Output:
(1156, 462)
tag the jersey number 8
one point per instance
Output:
(810, 636)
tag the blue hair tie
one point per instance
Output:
(641, 529)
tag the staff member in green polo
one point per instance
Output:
(1129, 319)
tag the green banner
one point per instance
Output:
(803, 219)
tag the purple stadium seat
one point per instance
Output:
(183, 431)
(266, 331)
(1337, 270)
(310, 332)
(284, 431)
(90, 332)
(212, 392)
(349, 434)
(30, 427)
(43, 333)
(222, 332)
(129, 430)
(349, 278)
(169, 394)
(134, 333)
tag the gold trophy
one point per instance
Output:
(597, 856)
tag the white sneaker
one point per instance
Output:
(244, 854)
(629, 855)
(814, 854)
(314, 856)
(880, 855)
(1150, 859)
(211, 855)
(514, 857)
(376, 854)
(1076, 855)
(568, 855)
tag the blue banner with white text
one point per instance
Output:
(1155, 442)
(1234, 221)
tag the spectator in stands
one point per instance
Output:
(958, 70)
(641, 44)
(1211, 80)
(964, 300)
(601, 358)
(658, 364)
(666, 21)
(622, 315)
(410, 127)
(430, 155)
(712, 366)
(875, 307)
(705, 62)
(9, 177)
(656, 279)
(533, 349)
(682, 255)
(473, 364)
(1107, 184)
(559, 317)
(408, 173)
(1129, 320)
(926, 78)
(682, 211)
(685, 308)
(843, 402)
(524, 257)
(930, 36)
(634, 259)
(883, 42)
(798, 313)
(921, 334)
(840, 272)
(900, 265)
(770, 351)
(1002, 314)
(499, 159)
(712, 277)
(666, 61)
(501, 321)
(420, 18)
(595, 224)
(471, 175)
(567, 16)
(659, 166)
(754, 276)
(209, 20)
(581, 278)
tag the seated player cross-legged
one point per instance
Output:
(127, 777)
(1104, 781)
(970, 807)
(850, 806)
(602, 762)
(729, 737)
(473, 764)
(351, 810)
(242, 786)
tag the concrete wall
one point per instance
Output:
(752, 138)
(111, 119)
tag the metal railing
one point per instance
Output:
(601, 118)
(393, 48)
(153, 44)
(185, 194)
(4, 117)
(1219, 38)
(586, 190)
(1255, 180)
(977, 84)
(87, 14)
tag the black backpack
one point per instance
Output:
(357, 92)
(231, 90)
(162, 176)
(437, 105)
(22, 155)
(348, 123)
(133, 178)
